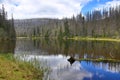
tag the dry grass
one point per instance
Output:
(10, 69)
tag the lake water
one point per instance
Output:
(55, 54)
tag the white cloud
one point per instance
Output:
(108, 4)
(98, 0)
(43, 8)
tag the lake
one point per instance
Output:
(54, 54)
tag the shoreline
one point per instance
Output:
(76, 38)
(94, 39)
(12, 68)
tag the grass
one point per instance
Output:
(12, 69)
(35, 38)
(95, 39)
(77, 38)
(99, 60)
(23, 37)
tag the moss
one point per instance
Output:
(11, 69)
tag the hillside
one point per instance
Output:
(26, 27)
(97, 23)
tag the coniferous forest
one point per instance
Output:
(7, 30)
(85, 46)
(97, 23)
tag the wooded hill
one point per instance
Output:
(98, 23)
(32, 27)
(7, 30)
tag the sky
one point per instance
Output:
(25, 9)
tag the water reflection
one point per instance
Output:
(7, 46)
(102, 71)
(56, 55)
(80, 49)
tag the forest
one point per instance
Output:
(42, 48)
(7, 31)
(97, 23)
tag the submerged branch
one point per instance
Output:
(72, 60)
(99, 60)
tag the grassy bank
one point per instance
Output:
(99, 60)
(35, 38)
(23, 38)
(12, 69)
(95, 39)
(76, 38)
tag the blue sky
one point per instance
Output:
(53, 8)
(99, 5)
(93, 4)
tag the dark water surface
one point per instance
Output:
(7, 46)
(55, 54)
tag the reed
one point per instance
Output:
(14, 69)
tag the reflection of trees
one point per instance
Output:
(88, 49)
(112, 67)
(92, 49)
(66, 47)
(7, 46)
(25, 45)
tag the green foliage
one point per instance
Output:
(7, 30)
(47, 34)
(66, 29)
(2, 32)
(60, 35)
